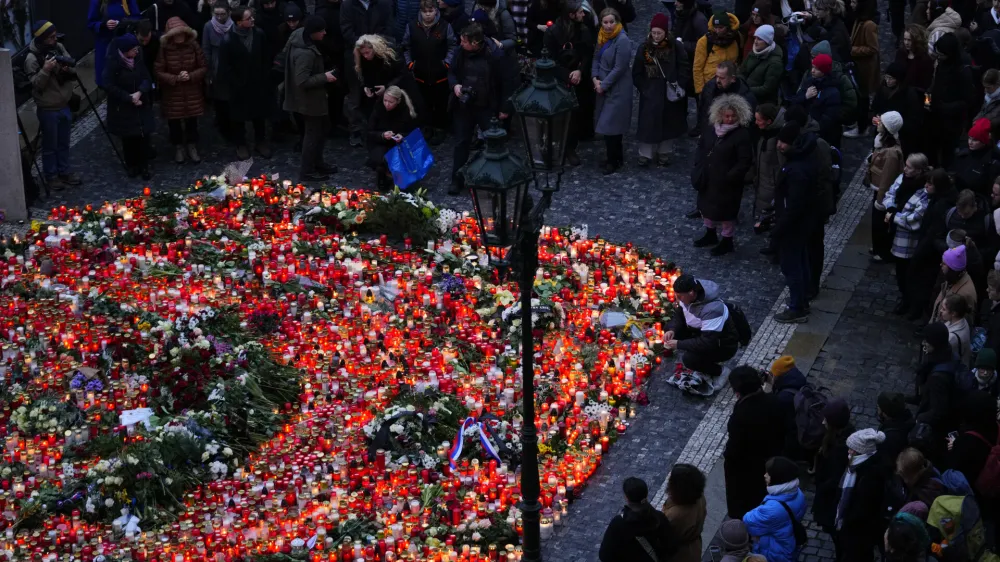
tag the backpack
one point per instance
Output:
(987, 219)
(988, 481)
(740, 320)
(960, 524)
(809, 403)
(798, 530)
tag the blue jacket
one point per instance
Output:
(825, 107)
(770, 525)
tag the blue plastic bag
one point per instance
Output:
(410, 160)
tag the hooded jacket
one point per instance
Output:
(180, 99)
(53, 89)
(305, 80)
(784, 389)
(948, 22)
(795, 202)
(952, 89)
(825, 106)
(848, 92)
(620, 544)
(705, 325)
(707, 56)
(690, 27)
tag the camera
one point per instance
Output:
(468, 92)
(62, 60)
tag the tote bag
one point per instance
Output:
(410, 160)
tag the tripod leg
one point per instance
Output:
(104, 127)
(33, 155)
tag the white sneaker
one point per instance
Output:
(854, 133)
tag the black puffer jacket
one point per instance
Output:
(796, 205)
(709, 308)
(620, 544)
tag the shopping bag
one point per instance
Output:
(410, 160)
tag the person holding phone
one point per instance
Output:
(305, 95)
(390, 122)
(106, 19)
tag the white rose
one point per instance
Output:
(227, 451)
(109, 502)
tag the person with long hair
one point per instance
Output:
(865, 55)
(905, 204)
(377, 67)
(915, 57)
(829, 14)
(954, 311)
(390, 122)
(660, 66)
(830, 462)
(884, 166)
(612, 82)
(685, 509)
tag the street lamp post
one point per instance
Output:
(509, 222)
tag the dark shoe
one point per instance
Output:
(663, 160)
(355, 139)
(767, 251)
(297, 147)
(610, 168)
(192, 151)
(572, 159)
(326, 169)
(915, 315)
(710, 238)
(132, 172)
(57, 184)
(455, 189)
(791, 316)
(71, 179)
(146, 174)
(242, 152)
(811, 295)
(695, 214)
(314, 176)
(901, 309)
(263, 149)
(912, 399)
(762, 226)
(919, 332)
(725, 246)
(179, 154)
(694, 132)
(643, 161)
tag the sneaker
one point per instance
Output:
(71, 179)
(192, 151)
(791, 316)
(355, 139)
(720, 381)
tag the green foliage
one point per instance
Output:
(400, 215)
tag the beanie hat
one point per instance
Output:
(823, 63)
(294, 13)
(917, 523)
(744, 380)
(896, 69)
(720, 18)
(821, 48)
(43, 29)
(660, 21)
(762, 8)
(314, 23)
(837, 413)
(865, 441)
(782, 470)
(734, 535)
(573, 6)
(126, 42)
(892, 404)
(789, 132)
(981, 130)
(987, 359)
(782, 365)
(917, 509)
(954, 258)
(797, 114)
(893, 122)
(765, 33)
(955, 237)
(479, 16)
(936, 334)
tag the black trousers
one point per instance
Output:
(134, 150)
(222, 119)
(436, 96)
(881, 236)
(861, 113)
(335, 94)
(465, 121)
(615, 149)
(313, 138)
(710, 362)
(902, 268)
(897, 18)
(240, 131)
(816, 252)
(183, 131)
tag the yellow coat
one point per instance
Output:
(705, 62)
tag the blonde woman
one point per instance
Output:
(378, 67)
(390, 122)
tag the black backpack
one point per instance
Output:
(801, 538)
(739, 318)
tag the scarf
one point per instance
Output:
(722, 130)
(129, 63)
(603, 37)
(782, 489)
(847, 487)
(988, 97)
(660, 53)
(125, 8)
(222, 28)
(246, 35)
(765, 51)
(878, 141)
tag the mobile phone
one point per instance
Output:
(953, 435)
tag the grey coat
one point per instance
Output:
(613, 111)
(211, 43)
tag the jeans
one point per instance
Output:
(710, 362)
(313, 137)
(466, 119)
(795, 267)
(55, 126)
(183, 131)
(615, 150)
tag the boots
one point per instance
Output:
(724, 247)
(179, 154)
(242, 152)
(192, 151)
(263, 149)
(709, 239)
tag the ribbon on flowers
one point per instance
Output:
(485, 436)
(382, 439)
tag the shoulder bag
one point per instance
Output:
(674, 90)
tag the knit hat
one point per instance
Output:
(892, 404)
(782, 470)
(917, 509)
(987, 359)
(782, 365)
(918, 525)
(293, 13)
(573, 6)
(955, 237)
(789, 132)
(43, 29)
(981, 130)
(479, 16)
(936, 334)
(765, 33)
(762, 8)
(823, 63)
(720, 18)
(660, 21)
(744, 380)
(821, 48)
(797, 114)
(126, 42)
(734, 535)
(837, 413)
(865, 441)
(896, 69)
(313, 24)
(954, 258)
(893, 122)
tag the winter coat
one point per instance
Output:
(539, 14)
(862, 525)
(908, 221)
(976, 170)
(99, 13)
(707, 56)
(763, 74)
(305, 77)
(398, 121)
(712, 91)
(785, 388)
(690, 28)
(272, 23)
(948, 22)
(909, 103)
(830, 466)
(613, 110)
(380, 72)
(992, 326)
(937, 407)
(429, 51)
(211, 48)
(826, 191)
(970, 450)
(456, 18)
(770, 524)
(356, 21)
(897, 438)
(755, 435)
(952, 92)
(825, 107)
(919, 69)
(53, 89)
(839, 39)
(178, 9)
(710, 328)
(843, 81)
(500, 27)
(865, 53)
(251, 94)
(795, 195)
(406, 12)
(661, 119)
(720, 167)
(927, 488)
(488, 72)
(620, 545)
(960, 338)
(572, 47)
(766, 157)
(963, 287)
(125, 119)
(990, 110)
(687, 523)
(180, 100)
(984, 22)
(332, 45)
(885, 166)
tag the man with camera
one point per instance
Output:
(52, 80)
(481, 80)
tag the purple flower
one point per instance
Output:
(77, 381)
(95, 386)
